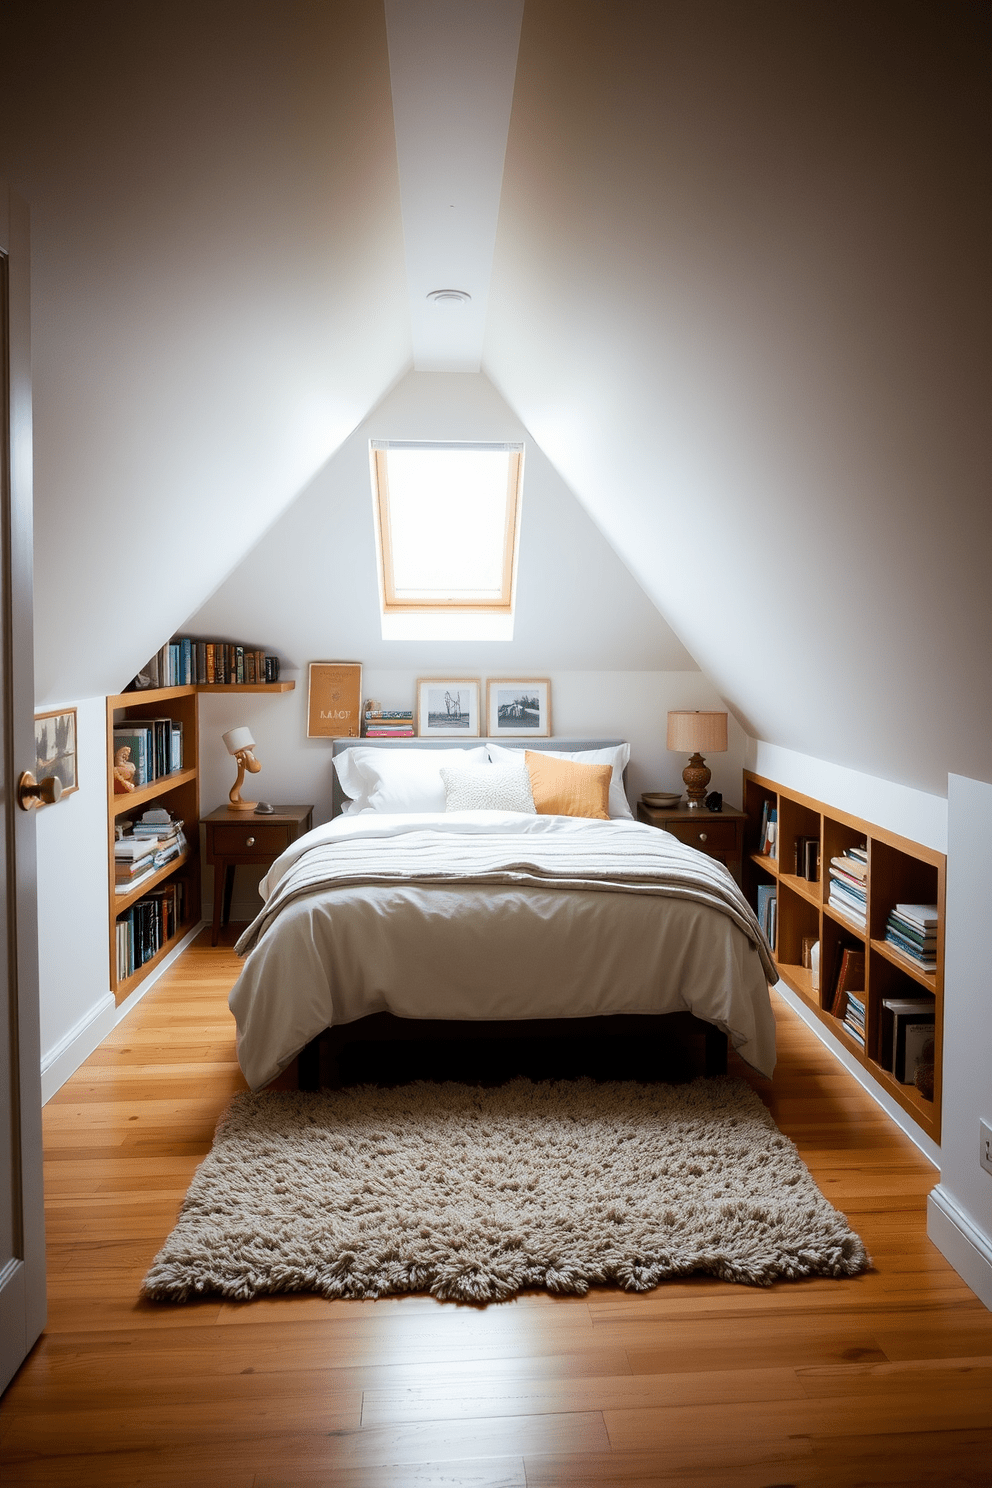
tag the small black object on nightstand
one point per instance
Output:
(714, 801)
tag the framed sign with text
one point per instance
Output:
(334, 705)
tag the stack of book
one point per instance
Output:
(156, 746)
(854, 1017)
(849, 884)
(912, 931)
(768, 831)
(149, 846)
(767, 912)
(385, 723)
(144, 929)
(185, 662)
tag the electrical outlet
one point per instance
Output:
(985, 1153)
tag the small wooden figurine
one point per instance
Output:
(124, 771)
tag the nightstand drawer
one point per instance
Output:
(709, 836)
(264, 839)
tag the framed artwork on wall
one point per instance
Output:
(518, 708)
(448, 708)
(55, 747)
(334, 700)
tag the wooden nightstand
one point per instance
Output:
(239, 837)
(718, 834)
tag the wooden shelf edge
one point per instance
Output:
(124, 901)
(208, 687)
(800, 980)
(923, 1111)
(769, 865)
(803, 887)
(926, 979)
(148, 695)
(122, 990)
(159, 787)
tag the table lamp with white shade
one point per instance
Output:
(694, 733)
(241, 745)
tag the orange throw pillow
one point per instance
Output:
(565, 788)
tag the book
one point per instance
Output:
(913, 1020)
(850, 978)
(924, 916)
(766, 896)
(851, 866)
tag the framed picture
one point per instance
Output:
(55, 747)
(518, 707)
(448, 708)
(334, 700)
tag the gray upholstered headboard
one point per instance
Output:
(549, 746)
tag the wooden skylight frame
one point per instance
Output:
(395, 603)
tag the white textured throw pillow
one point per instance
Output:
(618, 757)
(503, 787)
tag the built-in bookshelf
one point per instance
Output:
(179, 793)
(898, 871)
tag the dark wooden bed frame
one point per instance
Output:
(323, 1060)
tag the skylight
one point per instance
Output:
(447, 517)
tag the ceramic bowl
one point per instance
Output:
(667, 800)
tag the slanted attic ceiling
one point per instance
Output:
(739, 296)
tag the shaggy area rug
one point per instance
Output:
(474, 1194)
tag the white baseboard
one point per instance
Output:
(881, 1097)
(76, 1046)
(961, 1242)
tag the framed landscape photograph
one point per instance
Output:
(334, 703)
(518, 708)
(55, 747)
(448, 708)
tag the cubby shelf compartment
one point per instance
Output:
(899, 871)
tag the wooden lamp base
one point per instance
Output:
(696, 776)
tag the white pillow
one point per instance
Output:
(400, 780)
(488, 787)
(618, 757)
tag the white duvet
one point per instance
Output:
(495, 915)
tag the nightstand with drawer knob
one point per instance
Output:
(233, 842)
(718, 834)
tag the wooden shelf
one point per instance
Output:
(125, 804)
(124, 901)
(927, 979)
(209, 687)
(900, 871)
(801, 886)
(123, 989)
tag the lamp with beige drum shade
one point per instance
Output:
(693, 733)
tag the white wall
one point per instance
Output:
(77, 1007)
(960, 1211)
(219, 293)
(741, 298)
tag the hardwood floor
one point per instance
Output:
(886, 1379)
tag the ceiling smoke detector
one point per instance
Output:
(449, 296)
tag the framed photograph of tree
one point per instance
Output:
(448, 708)
(518, 708)
(55, 747)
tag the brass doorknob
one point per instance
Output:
(32, 793)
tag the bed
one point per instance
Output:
(389, 920)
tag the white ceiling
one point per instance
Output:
(451, 69)
(739, 296)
